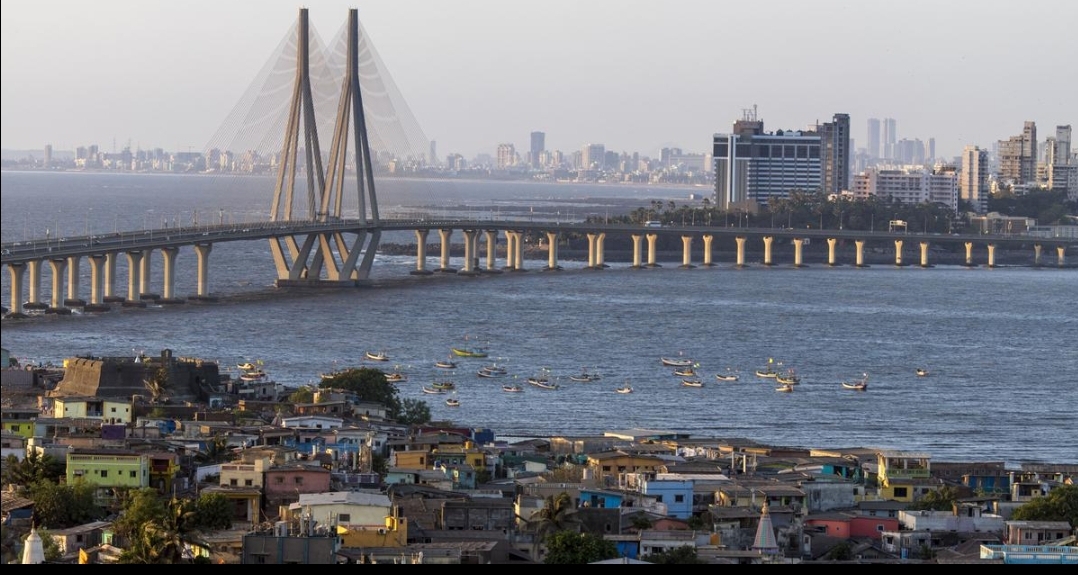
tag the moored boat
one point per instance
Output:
(396, 377)
(512, 388)
(788, 378)
(728, 376)
(377, 356)
(625, 389)
(445, 364)
(857, 384)
(687, 371)
(785, 388)
(769, 371)
(921, 372)
(433, 391)
(676, 361)
(444, 385)
(468, 352)
(585, 376)
(692, 383)
(452, 402)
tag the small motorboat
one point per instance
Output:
(444, 385)
(857, 384)
(676, 361)
(512, 389)
(446, 364)
(492, 370)
(433, 391)
(788, 378)
(246, 366)
(625, 389)
(396, 377)
(585, 376)
(921, 372)
(785, 388)
(377, 356)
(692, 383)
(728, 376)
(687, 371)
(452, 402)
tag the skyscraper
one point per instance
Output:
(1063, 145)
(835, 147)
(874, 138)
(537, 149)
(1018, 156)
(973, 185)
(890, 137)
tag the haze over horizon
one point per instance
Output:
(631, 75)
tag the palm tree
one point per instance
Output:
(557, 514)
(164, 541)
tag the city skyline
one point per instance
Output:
(633, 82)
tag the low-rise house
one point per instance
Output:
(478, 514)
(15, 509)
(312, 422)
(654, 541)
(109, 471)
(1036, 532)
(12, 444)
(306, 544)
(85, 536)
(19, 421)
(362, 518)
(850, 525)
(109, 410)
(462, 475)
(905, 476)
(973, 522)
(607, 467)
(285, 483)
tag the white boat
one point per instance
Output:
(692, 383)
(857, 384)
(377, 356)
(446, 364)
(728, 376)
(396, 377)
(685, 371)
(434, 391)
(790, 377)
(492, 370)
(452, 402)
(625, 389)
(785, 388)
(246, 366)
(921, 372)
(585, 376)
(512, 389)
(676, 361)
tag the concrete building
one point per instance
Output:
(1018, 156)
(538, 146)
(874, 138)
(973, 182)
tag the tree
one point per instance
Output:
(138, 506)
(49, 546)
(368, 384)
(557, 514)
(32, 469)
(684, 555)
(59, 506)
(1061, 504)
(840, 552)
(159, 532)
(571, 548)
(942, 499)
(302, 395)
(213, 511)
(413, 412)
(641, 522)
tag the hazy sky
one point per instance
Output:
(632, 75)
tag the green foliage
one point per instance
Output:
(139, 506)
(302, 395)
(216, 451)
(60, 506)
(413, 412)
(572, 548)
(684, 555)
(49, 546)
(213, 511)
(840, 552)
(368, 384)
(1061, 504)
(32, 469)
(157, 530)
(942, 499)
(641, 522)
(379, 464)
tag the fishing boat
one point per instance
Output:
(728, 376)
(444, 385)
(921, 372)
(253, 375)
(246, 366)
(512, 388)
(676, 361)
(468, 352)
(433, 390)
(446, 364)
(377, 356)
(492, 370)
(785, 388)
(543, 380)
(396, 377)
(769, 371)
(625, 389)
(860, 384)
(585, 376)
(790, 377)
(452, 402)
(692, 383)
(686, 371)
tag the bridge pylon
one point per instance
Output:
(329, 257)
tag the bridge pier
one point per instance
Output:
(470, 240)
(168, 265)
(1061, 256)
(518, 251)
(898, 253)
(1036, 255)
(202, 291)
(831, 243)
(686, 252)
(708, 239)
(637, 262)
(969, 254)
(57, 296)
(421, 254)
(600, 258)
(97, 301)
(111, 280)
(740, 240)
(492, 252)
(134, 268)
(145, 275)
(798, 246)
(860, 245)
(652, 239)
(924, 255)
(17, 272)
(552, 252)
(73, 278)
(767, 250)
(593, 249)
(991, 255)
(445, 267)
(33, 300)
(510, 250)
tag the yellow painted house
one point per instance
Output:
(611, 464)
(108, 469)
(107, 410)
(21, 422)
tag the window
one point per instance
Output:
(278, 480)
(679, 498)
(104, 473)
(901, 492)
(133, 474)
(248, 482)
(113, 410)
(879, 528)
(344, 517)
(298, 480)
(233, 482)
(659, 499)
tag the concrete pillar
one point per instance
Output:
(798, 246)
(924, 254)
(686, 252)
(134, 268)
(144, 276)
(203, 253)
(552, 251)
(600, 254)
(898, 252)
(767, 249)
(740, 251)
(637, 262)
(17, 272)
(1037, 255)
(708, 239)
(168, 272)
(421, 253)
(1061, 252)
(73, 279)
(510, 251)
(33, 300)
(593, 249)
(652, 238)
(860, 245)
(492, 251)
(469, 253)
(991, 255)
(518, 248)
(831, 243)
(111, 281)
(58, 268)
(445, 235)
(969, 253)
(97, 268)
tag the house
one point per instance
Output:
(309, 544)
(85, 536)
(608, 466)
(19, 421)
(361, 518)
(1036, 532)
(904, 476)
(850, 525)
(285, 483)
(675, 494)
(13, 445)
(973, 521)
(109, 470)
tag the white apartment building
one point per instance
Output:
(909, 185)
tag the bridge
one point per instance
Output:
(314, 244)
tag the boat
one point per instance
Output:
(492, 370)
(246, 366)
(512, 388)
(446, 364)
(543, 380)
(254, 375)
(728, 376)
(676, 361)
(452, 402)
(921, 372)
(433, 390)
(857, 384)
(444, 385)
(377, 356)
(468, 352)
(768, 372)
(788, 378)
(785, 388)
(585, 376)
(687, 371)
(625, 389)
(396, 377)
(692, 383)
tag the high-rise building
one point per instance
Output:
(835, 147)
(48, 155)
(890, 137)
(507, 156)
(593, 157)
(1063, 145)
(538, 147)
(973, 183)
(1018, 156)
(874, 138)
(433, 153)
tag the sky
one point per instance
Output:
(632, 75)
